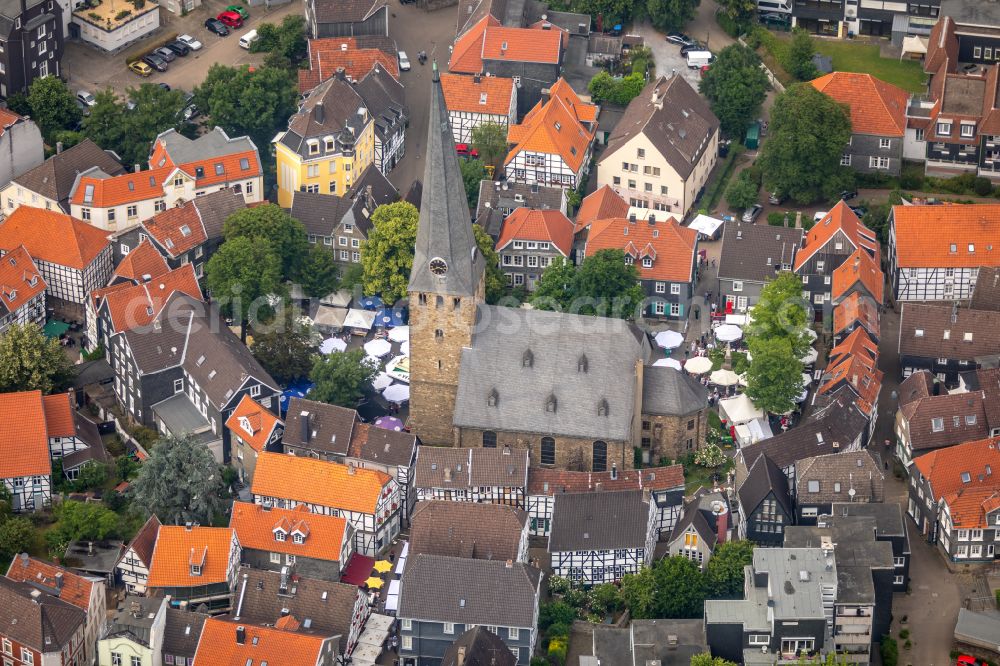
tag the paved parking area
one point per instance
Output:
(667, 56)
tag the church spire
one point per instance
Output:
(445, 257)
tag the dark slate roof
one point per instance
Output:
(934, 320)
(182, 631)
(319, 213)
(677, 125)
(467, 529)
(465, 591)
(888, 517)
(764, 477)
(699, 513)
(135, 618)
(971, 12)
(986, 380)
(752, 252)
(670, 392)
(986, 295)
(145, 540)
(330, 426)
(503, 467)
(853, 470)
(383, 446)
(598, 521)
(36, 619)
(92, 372)
(491, 222)
(54, 178)
(383, 96)
(371, 190)
(93, 556)
(505, 195)
(332, 108)
(478, 647)
(345, 11)
(954, 410)
(215, 208)
(444, 231)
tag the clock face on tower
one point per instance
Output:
(438, 266)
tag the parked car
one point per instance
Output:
(775, 198)
(693, 46)
(191, 42)
(847, 195)
(189, 112)
(465, 150)
(86, 98)
(860, 211)
(84, 109)
(179, 48)
(404, 62)
(164, 86)
(966, 660)
(230, 19)
(752, 213)
(699, 59)
(679, 38)
(217, 26)
(155, 61)
(165, 53)
(239, 9)
(140, 68)
(820, 214)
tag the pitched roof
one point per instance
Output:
(332, 109)
(318, 482)
(59, 415)
(330, 426)
(856, 309)
(876, 107)
(179, 547)
(58, 581)
(969, 509)
(218, 646)
(37, 620)
(986, 294)
(537, 225)
(20, 280)
(756, 252)
(507, 194)
(670, 392)
(942, 45)
(522, 45)
(24, 443)
(443, 467)
(961, 417)
(53, 237)
(849, 476)
(839, 218)
(859, 344)
(237, 154)
(972, 334)
(346, 11)
(670, 246)
(700, 514)
(135, 306)
(556, 126)
(382, 446)
(490, 95)
(947, 469)
(858, 269)
(548, 481)
(255, 526)
(925, 235)
(764, 476)
(177, 229)
(144, 540)
(467, 52)
(467, 529)
(54, 178)
(356, 55)
(182, 631)
(384, 98)
(598, 521)
(601, 204)
(478, 647)
(858, 373)
(467, 591)
(259, 419)
(679, 123)
(142, 260)
(986, 380)
(215, 208)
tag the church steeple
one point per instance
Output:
(445, 259)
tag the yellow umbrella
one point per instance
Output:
(383, 566)
(374, 583)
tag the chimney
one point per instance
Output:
(146, 277)
(241, 635)
(350, 469)
(447, 474)
(137, 168)
(304, 432)
(652, 219)
(510, 564)
(59, 147)
(506, 449)
(187, 526)
(477, 79)
(59, 580)
(460, 658)
(24, 559)
(266, 506)
(721, 527)
(546, 95)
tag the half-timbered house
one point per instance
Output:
(504, 197)
(355, 55)
(254, 430)
(857, 375)
(752, 255)
(326, 18)
(860, 273)
(226, 641)
(195, 565)
(370, 500)
(664, 485)
(133, 566)
(477, 100)
(22, 290)
(390, 452)
(599, 537)
(489, 474)
(854, 312)
(765, 505)
(946, 340)
(469, 529)
(382, 94)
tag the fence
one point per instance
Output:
(775, 83)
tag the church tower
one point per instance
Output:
(447, 283)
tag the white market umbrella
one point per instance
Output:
(698, 365)
(669, 339)
(399, 334)
(728, 333)
(382, 381)
(404, 348)
(331, 345)
(811, 357)
(397, 393)
(724, 377)
(812, 334)
(668, 363)
(806, 379)
(378, 348)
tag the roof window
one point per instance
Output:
(131, 186)
(199, 172)
(244, 164)
(88, 194)
(219, 169)
(966, 477)
(185, 230)
(482, 98)
(972, 248)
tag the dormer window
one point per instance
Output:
(482, 98)
(195, 569)
(279, 535)
(967, 337)
(527, 359)
(313, 146)
(298, 537)
(647, 262)
(550, 404)
(968, 130)
(493, 398)
(329, 144)
(602, 407)
(219, 169)
(629, 260)
(972, 248)
(582, 364)
(944, 129)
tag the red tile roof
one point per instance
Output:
(53, 237)
(555, 127)
(859, 309)
(969, 509)
(177, 229)
(255, 528)
(942, 46)
(142, 260)
(260, 420)
(859, 268)
(840, 218)
(75, 588)
(876, 107)
(134, 306)
(600, 205)
(944, 468)
(668, 244)
(860, 374)
(273, 646)
(59, 420)
(491, 95)
(8, 118)
(178, 547)
(537, 225)
(858, 344)
(925, 235)
(522, 45)
(467, 52)
(17, 272)
(318, 482)
(328, 54)
(24, 444)
(544, 481)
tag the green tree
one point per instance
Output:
(670, 14)
(742, 192)
(605, 88)
(156, 110)
(340, 377)
(724, 572)
(774, 378)
(16, 535)
(799, 62)
(602, 87)
(781, 313)
(53, 106)
(739, 10)
(680, 589)
(735, 86)
(605, 285)
(606, 598)
(710, 456)
(555, 618)
(387, 255)
(241, 275)
(92, 475)
(29, 361)
(706, 659)
(490, 139)
(86, 520)
(319, 274)
(181, 482)
(554, 290)
(286, 351)
(105, 125)
(496, 283)
(473, 172)
(802, 156)
(288, 40)
(271, 225)
(639, 594)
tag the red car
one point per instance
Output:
(231, 19)
(966, 660)
(464, 150)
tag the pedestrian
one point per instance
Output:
(887, 465)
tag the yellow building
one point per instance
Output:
(328, 144)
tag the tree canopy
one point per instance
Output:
(53, 106)
(781, 312)
(706, 659)
(130, 133)
(735, 86)
(554, 290)
(670, 14)
(271, 225)
(473, 172)
(86, 520)
(604, 88)
(808, 133)
(602, 285)
(181, 482)
(672, 588)
(319, 274)
(774, 378)
(496, 283)
(490, 139)
(743, 191)
(240, 275)
(286, 41)
(340, 377)
(286, 351)
(29, 361)
(387, 255)
(799, 61)
(724, 572)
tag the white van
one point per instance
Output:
(248, 39)
(699, 59)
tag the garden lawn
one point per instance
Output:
(850, 56)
